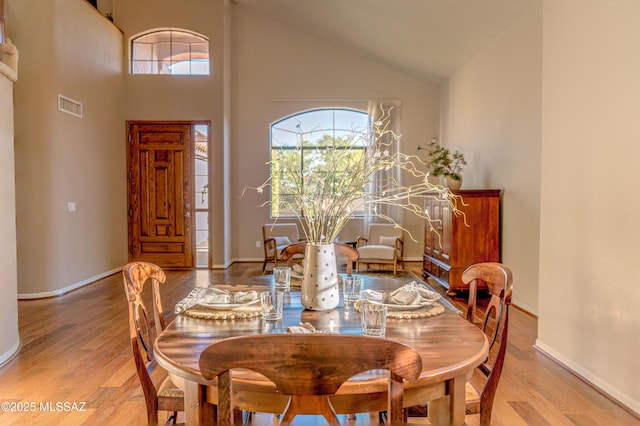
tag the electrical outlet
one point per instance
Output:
(71, 206)
(257, 243)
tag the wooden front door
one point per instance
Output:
(160, 193)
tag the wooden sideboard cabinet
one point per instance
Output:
(458, 246)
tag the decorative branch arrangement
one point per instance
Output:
(326, 197)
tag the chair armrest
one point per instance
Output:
(360, 240)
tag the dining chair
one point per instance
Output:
(494, 322)
(275, 237)
(309, 368)
(384, 244)
(342, 249)
(166, 396)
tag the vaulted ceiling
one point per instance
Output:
(429, 39)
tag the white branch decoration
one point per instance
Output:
(324, 212)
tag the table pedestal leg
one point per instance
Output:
(450, 409)
(198, 411)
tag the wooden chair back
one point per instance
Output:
(494, 322)
(378, 230)
(346, 250)
(143, 334)
(273, 235)
(310, 368)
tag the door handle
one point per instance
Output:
(187, 214)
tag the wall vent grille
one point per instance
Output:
(69, 106)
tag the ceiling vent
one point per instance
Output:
(69, 106)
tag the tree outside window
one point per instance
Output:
(313, 143)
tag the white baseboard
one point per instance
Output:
(592, 379)
(23, 296)
(248, 259)
(11, 353)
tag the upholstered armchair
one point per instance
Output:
(384, 244)
(275, 237)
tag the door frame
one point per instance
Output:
(190, 183)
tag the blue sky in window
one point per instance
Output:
(316, 123)
(193, 67)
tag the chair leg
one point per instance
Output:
(172, 419)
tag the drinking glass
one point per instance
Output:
(374, 320)
(351, 288)
(272, 302)
(282, 278)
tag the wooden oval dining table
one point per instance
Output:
(450, 348)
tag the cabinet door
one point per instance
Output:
(445, 238)
(431, 241)
(434, 237)
(439, 241)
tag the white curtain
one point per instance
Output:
(389, 110)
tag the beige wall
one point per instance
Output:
(61, 158)
(9, 339)
(589, 228)
(278, 71)
(491, 111)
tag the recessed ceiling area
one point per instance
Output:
(429, 39)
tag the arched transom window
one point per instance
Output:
(170, 52)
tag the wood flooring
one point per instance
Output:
(75, 366)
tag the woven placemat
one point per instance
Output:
(428, 311)
(295, 282)
(203, 312)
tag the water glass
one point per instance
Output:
(282, 278)
(351, 288)
(272, 302)
(374, 320)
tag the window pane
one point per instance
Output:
(348, 120)
(319, 164)
(200, 67)
(142, 67)
(142, 51)
(319, 138)
(186, 38)
(176, 52)
(280, 137)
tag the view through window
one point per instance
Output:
(307, 141)
(201, 207)
(176, 52)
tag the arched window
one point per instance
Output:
(169, 51)
(307, 144)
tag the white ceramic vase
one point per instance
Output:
(319, 290)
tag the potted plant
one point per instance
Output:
(444, 163)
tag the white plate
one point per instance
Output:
(394, 307)
(227, 306)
